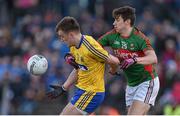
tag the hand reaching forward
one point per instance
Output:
(127, 62)
(58, 91)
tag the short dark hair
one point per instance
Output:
(68, 24)
(126, 12)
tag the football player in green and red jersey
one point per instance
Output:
(137, 59)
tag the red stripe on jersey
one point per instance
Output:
(125, 54)
(149, 68)
(125, 37)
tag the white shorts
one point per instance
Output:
(145, 92)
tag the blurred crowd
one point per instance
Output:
(27, 28)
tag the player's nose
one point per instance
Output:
(114, 23)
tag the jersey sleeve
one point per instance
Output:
(96, 51)
(145, 43)
(104, 39)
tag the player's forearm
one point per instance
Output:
(112, 60)
(70, 80)
(113, 69)
(150, 58)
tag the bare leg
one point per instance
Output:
(70, 110)
(138, 108)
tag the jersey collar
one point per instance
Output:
(82, 37)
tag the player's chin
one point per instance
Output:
(116, 29)
(70, 45)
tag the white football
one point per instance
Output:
(37, 65)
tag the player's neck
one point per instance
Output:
(78, 40)
(126, 33)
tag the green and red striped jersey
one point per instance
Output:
(128, 47)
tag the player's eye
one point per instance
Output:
(60, 37)
(117, 20)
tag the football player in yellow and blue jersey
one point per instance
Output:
(90, 58)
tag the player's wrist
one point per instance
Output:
(60, 91)
(63, 88)
(135, 60)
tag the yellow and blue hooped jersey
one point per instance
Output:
(91, 59)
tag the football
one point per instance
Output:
(37, 65)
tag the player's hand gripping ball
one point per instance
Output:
(37, 65)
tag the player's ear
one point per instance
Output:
(128, 21)
(71, 34)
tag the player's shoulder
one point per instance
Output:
(89, 39)
(139, 34)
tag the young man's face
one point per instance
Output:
(65, 37)
(119, 24)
